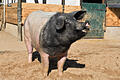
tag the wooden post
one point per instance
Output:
(4, 15)
(3, 25)
(63, 8)
(1, 3)
(103, 1)
(19, 17)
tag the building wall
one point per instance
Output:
(58, 2)
(30, 1)
(73, 2)
(112, 33)
(112, 24)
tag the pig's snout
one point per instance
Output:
(87, 23)
(84, 26)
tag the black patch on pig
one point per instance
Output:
(57, 37)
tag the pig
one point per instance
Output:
(52, 33)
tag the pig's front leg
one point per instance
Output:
(29, 48)
(60, 63)
(45, 63)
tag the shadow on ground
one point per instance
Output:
(53, 62)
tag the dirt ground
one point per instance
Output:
(87, 60)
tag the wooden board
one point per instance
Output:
(27, 8)
(113, 17)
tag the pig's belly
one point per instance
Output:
(35, 33)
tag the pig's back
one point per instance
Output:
(37, 21)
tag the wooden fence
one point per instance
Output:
(27, 8)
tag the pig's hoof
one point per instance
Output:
(29, 61)
(59, 77)
(29, 58)
(45, 75)
(60, 74)
(46, 78)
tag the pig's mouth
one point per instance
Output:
(86, 27)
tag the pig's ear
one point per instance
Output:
(60, 22)
(78, 14)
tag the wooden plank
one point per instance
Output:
(113, 17)
(11, 20)
(11, 14)
(27, 8)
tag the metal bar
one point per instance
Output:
(112, 5)
(63, 8)
(81, 3)
(44, 1)
(24, 1)
(99, 9)
(12, 1)
(19, 13)
(36, 1)
(4, 15)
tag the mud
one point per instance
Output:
(87, 60)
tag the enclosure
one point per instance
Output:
(88, 59)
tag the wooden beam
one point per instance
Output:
(27, 8)
(103, 1)
(3, 26)
(19, 17)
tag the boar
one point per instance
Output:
(51, 34)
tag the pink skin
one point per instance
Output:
(28, 44)
(45, 63)
(45, 58)
(30, 51)
(87, 25)
(60, 64)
